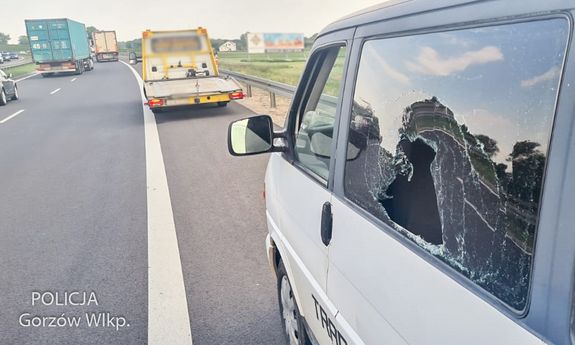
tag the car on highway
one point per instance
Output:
(6, 56)
(1, 59)
(8, 88)
(421, 189)
(14, 56)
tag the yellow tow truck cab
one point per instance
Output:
(179, 69)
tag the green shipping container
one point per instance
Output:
(57, 40)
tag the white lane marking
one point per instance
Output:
(168, 317)
(26, 77)
(58, 89)
(73, 80)
(12, 116)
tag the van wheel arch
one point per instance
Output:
(277, 257)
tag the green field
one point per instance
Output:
(282, 67)
(20, 70)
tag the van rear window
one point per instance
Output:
(450, 134)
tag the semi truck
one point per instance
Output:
(105, 45)
(59, 45)
(179, 69)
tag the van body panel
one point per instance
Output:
(381, 287)
(548, 232)
(553, 275)
(288, 182)
(452, 11)
(301, 249)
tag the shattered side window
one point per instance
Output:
(448, 142)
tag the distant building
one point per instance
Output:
(228, 46)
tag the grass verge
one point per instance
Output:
(282, 67)
(20, 70)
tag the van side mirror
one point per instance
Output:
(251, 136)
(10, 75)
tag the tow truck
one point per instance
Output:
(179, 69)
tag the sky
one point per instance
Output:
(223, 19)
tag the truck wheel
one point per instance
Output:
(46, 75)
(79, 67)
(16, 95)
(292, 320)
(90, 65)
(223, 104)
(3, 99)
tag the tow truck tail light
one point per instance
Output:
(156, 102)
(237, 95)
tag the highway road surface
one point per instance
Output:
(79, 182)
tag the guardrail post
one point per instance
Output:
(249, 90)
(272, 99)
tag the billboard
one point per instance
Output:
(256, 43)
(269, 42)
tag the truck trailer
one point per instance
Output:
(59, 45)
(106, 45)
(179, 69)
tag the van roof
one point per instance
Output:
(388, 10)
(402, 8)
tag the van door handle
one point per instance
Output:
(326, 223)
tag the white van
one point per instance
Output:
(421, 191)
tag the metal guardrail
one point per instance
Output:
(274, 88)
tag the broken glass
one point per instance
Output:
(453, 131)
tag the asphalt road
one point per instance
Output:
(73, 214)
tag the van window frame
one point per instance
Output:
(305, 86)
(345, 118)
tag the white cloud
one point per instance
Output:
(387, 69)
(551, 74)
(430, 62)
